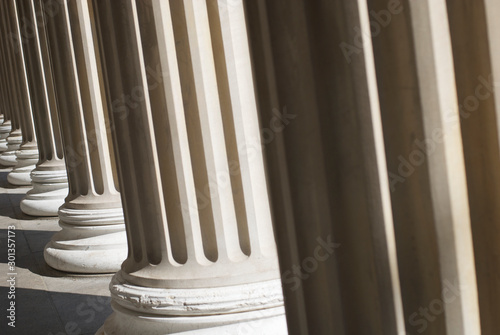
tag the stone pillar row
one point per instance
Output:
(198, 221)
(328, 173)
(52, 86)
(5, 117)
(197, 215)
(159, 95)
(14, 138)
(49, 179)
(26, 155)
(26, 104)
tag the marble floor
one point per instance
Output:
(47, 302)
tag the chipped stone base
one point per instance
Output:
(241, 309)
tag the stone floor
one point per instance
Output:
(48, 302)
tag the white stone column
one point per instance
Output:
(6, 124)
(50, 185)
(14, 139)
(27, 154)
(93, 238)
(202, 256)
(5, 129)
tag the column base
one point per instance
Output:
(91, 241)
(21, 176)
(255, 308)
(5, 129)
(263, 322)
(26, 160)
(3, 145)
(9, 158)
(50, 188)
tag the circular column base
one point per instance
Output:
(86, 261)
(255, 308)
(8, 158)
(3, 145)
(50, 188)
(43, 204)
(84, 246)
(261, 322)
(21, 176)
(5, 129)
(27, 157)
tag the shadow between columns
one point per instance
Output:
(3, 180)
(43, 312)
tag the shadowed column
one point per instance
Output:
(475, 37)
(326, 164)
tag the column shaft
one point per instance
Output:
(92, 239)
(438, 98)
(477, 72)
(49, 179)
(5, 126)
(14, 140)
(27, 154)
(197, 213)
(328, 180)
(421, 121)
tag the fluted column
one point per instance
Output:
(92, 239)
(50, 185)
(326, 165)
(477, 73)
(421, 119)
(27, 154)
(14, 139)
(6, 125)
(200, 236)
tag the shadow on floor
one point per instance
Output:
(39, 312)
(10, 207)
(29, 253)
(4, 183)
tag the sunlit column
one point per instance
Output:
(27, 154)
(200, 235)
(49, 180)
(93, 238)
(6, 124)
(14, 139)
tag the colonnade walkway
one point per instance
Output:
(47, 301)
